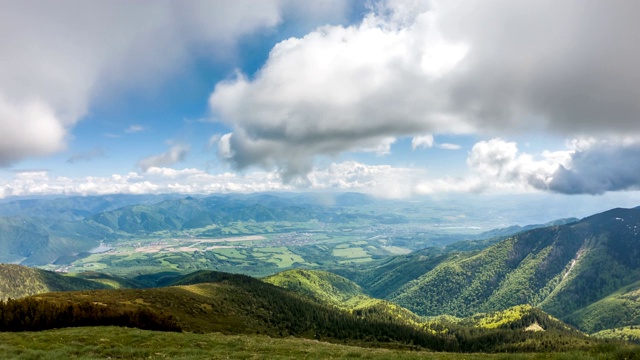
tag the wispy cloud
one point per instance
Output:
(448, 146)
(175, 154)
(135, 128)
(87, 156)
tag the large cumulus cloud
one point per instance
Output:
(411, 67)
(59, 57)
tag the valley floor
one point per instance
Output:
(123, 343)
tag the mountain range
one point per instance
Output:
(558, 277)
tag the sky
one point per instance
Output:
(395, 98)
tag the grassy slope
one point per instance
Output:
(122, 343)
(110, 281)
(19, 281)
(326, 287)
(334, 290)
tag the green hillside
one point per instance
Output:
(110, 281)
(384, 278)
(19, 281)
(333, 290)
(567, 270)
(322, 286)
(626, 333)
(620, 309)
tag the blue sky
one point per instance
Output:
(397, 98)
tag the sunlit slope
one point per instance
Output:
(323, 286)
(334, 290)
(18, 281)
(110, 281)
(524, 317)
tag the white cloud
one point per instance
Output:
(448, 146)
(412, 67)
(135, 128)
(586, 166)
(383, 181)
(58, 58)
(175, 154)
(423, 141)
(336, 89)
(29, 128)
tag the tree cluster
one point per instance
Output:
(31, 314)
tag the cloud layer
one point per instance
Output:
(345, 176)
(410, 68)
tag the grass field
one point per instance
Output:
(351, 253)
(123, 343)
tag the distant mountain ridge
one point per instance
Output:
(41, 231)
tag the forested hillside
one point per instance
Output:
(19, 281)
(567, 270)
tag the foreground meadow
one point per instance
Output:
(124, 343)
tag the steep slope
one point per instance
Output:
(19, 281)
(384, 278)
(322, 286)
(561, 269)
